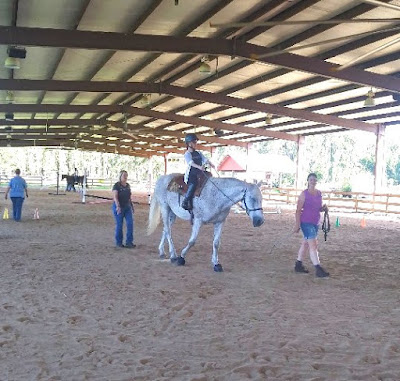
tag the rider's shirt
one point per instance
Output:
(124, 194)
(195, 157)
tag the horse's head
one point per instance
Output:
(252, 202)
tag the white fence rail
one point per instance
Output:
(350, 201)
(92, 182)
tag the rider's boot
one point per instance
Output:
(187, 202)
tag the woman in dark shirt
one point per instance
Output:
(122, 208)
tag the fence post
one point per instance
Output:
(356, 203)
(373, 202)
(387, 202)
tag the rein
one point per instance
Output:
(326, 225)
(243, 199)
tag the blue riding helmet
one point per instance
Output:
(190, 138)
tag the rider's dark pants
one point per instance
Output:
(187, 202)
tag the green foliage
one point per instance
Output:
(368, 164)
(393, 164)
(346, 187)
(47, 161)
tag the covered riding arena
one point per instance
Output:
(131, 77)
(73, 307)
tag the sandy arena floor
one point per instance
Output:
(73, 307)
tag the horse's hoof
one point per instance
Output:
(218, 268)
(181, 261)
(162, 256)
(174, 260)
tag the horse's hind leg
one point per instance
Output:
(161, 251)
(216, 243)
(192, 240)
(168, 218)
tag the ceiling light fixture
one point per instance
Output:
(146, 99)
(13, 59)
(370, 100)
(9, 116)
(125, 122)
(10, 97)
(12, 63)
(205, 68)
(218, 132)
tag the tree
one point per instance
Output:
(368, 164)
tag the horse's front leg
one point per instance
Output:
(192, 240)
(216, 243)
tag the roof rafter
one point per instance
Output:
(132, 110)
(131, 128)
(86, 134)
(134, 87)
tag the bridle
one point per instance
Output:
(243, 199)
(245, 205)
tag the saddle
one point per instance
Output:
(178, 185)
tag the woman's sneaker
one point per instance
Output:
(320, 272)
(299, 268)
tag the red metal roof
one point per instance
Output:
(229, 164)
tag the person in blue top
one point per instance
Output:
(122, 208)
(17, 189)
(196, 162)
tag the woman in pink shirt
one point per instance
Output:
(308, 211)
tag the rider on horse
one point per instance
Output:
(196, 162)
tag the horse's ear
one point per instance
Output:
(259, 183)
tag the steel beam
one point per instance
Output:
(60, 38)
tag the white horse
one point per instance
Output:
(212, 206)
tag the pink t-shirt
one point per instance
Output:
(311, 209)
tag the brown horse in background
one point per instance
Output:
(72, 181)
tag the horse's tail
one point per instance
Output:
(154, 215)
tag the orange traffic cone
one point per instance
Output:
(363, 223)
(36, 214)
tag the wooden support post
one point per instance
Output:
(300, 170)
(380, 162)
(165, 164)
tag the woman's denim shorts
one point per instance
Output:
(310, 231)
